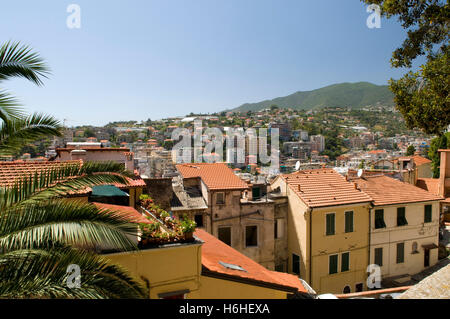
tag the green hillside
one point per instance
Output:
(354, 95)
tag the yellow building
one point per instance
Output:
(328, 222)
(404, 227)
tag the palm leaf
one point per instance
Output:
(20, 61)
(9, 107)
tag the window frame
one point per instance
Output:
(342, 260)
(231, 234)
(377, 212)
(375, 256)
(326, 224)
(294, 262)
(401, 217)
(329, 264)
(257, 236)
(352, 221)
(217, 198)
(430, 212)
(400, 260)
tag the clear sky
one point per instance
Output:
(134, 60)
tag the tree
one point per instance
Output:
(16, 128)
(410, 150)
(41, 234)
(440, 142)
(422, 97)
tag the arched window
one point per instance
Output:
(346, 290)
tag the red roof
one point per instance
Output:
(129, 212)
(216, 176)
(215, 251)
(429, 184)
(386, 191)
(324, 187)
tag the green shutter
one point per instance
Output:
(345, 261)
(333, 264)
(330, 224)
(428, 213)
(401, 217)
(379, 219)
(349, 222)
(379, 256)
(400, 253)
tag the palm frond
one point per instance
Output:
(9, 107)
(61, 181)
(14, 133)
(20, 61)
(70, 222)
(40, 273)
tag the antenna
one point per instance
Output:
(297, 165)
(360, 172)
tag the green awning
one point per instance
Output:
(107, 191)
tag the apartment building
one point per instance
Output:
(237, 214)
(404, 226)
(328, 222)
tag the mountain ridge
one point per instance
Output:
(347, 94)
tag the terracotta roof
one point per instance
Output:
(216, 176)
(386, 191)
(96, 149)
(12, 172)
(132, 214)
(418, 160)
(324, 187)
(215, 251)
(429, 184)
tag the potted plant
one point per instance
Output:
(188, 227)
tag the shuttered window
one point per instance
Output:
(379, 256)
(379, 219)
(345, 261)
(428, 214)
(400, 253)
(330, 224)
(349, 222)
(333, 264)
(401, 216)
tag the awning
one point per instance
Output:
(429, 246)
(107, 191)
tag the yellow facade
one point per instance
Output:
(309, 241)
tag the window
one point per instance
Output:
(359, 287)
(256, 193)
(400, 253)
(349, 222)
(279, 228)
(379, 256)
(428, 214)
(379, 219)
(333, 264)
(414, 248)
(220, 198)
(401, 217)
(251, 236)
(279, 267)
(330, 224)
(346, 290)
(295, 264)
(225, 235)
(199, 220)
(345, 262)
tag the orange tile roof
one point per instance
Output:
(129, 212)
(215, 251)
(386, 191)
(216, 176)
(418, 160)
(12, 172)
(429, 184)
(324, 187)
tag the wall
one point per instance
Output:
(162, 269)
(416, 231)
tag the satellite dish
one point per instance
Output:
(360, 172)
(297, 165)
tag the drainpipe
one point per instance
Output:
(370, 229)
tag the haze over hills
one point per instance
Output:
(354, 95)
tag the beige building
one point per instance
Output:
(328, 222)
(236, 213)
(404, 226)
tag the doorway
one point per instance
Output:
(426, 262)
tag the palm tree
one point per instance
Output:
(41, 233)
(16, 128)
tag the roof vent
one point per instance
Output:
(299, 188)
(231, 266)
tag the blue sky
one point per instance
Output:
(134, 60)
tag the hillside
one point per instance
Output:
(354, 95)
